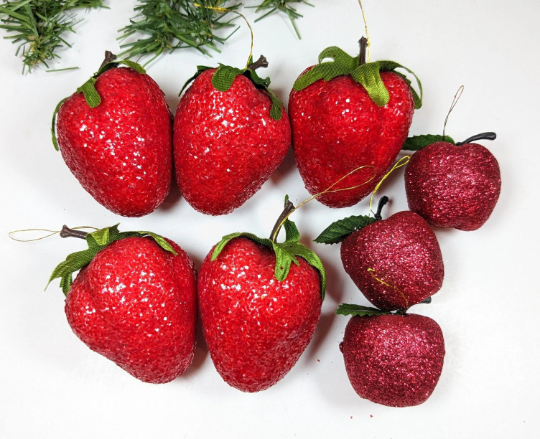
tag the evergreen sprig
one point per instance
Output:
(168, 25)
(38, 27)
(271, 6)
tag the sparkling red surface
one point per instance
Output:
(255, 326)
(120, 151)
(393, 360)
(396, 262)
(226, 145)
(136, 304)
(453, 186)
(338, 128)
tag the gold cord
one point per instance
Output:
(50, 233)
(401, 162)
(454, 103)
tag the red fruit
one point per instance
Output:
(453, 186)
(337, 128)
(121, 150)
(226, 143)
(394, 360)
(396, 262)
(135, 304)
(255, 326)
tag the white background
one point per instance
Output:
(53, 386)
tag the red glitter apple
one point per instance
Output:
(134, 301)
(396, 262)
(346, 114)
(454, 185)
(392, 359)
(115, 135)
(259, 304)
(230, 135)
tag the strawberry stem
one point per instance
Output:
(363, 47)
(66, 232)
(289, 207)
(261, 62)
(481, 136)
(109, 57)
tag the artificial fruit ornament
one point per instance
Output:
(230, 134)
(259, 303)
(392, 359)
(134, 301)
(452, 184)
(347, 113)
(115, 135)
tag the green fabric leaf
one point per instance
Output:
(339, 230)
(53, 127)
(416, 143)
(369, 75)
(93, 99)
(284, 259)
(96, 242)
(347, 309)
(228, 238)
(224, 77)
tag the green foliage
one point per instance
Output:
(347, 309)
(416, 143)
(339, 230)
(164, 26)
(97, 241)
(38, 26)
(268, 7)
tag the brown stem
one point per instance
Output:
(261, 62)
(382, 203)
(289, 207)
(109, 57)
(66, 232)
(481, 136)
(363, 49)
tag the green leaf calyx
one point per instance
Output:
(416, 143)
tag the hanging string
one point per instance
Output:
(454, 103)
(373, 274)
(49, 233)
(367, 31)
(220, 9)
(401, 162)
(320, 194)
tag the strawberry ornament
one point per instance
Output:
(452, 184)
(115, 135)
(392, 359)
(230, 134)
(259, 303)
(134, 301)
(396, 262)
(347, 113)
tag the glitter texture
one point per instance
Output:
(256, 327)
(136, 304)
(226, 145)
(338, 128)
(393, 360)
(120, 151)
(396, 263)
(453, 186)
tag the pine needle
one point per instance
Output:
(38, 27)
(270, 7)
(164, 26)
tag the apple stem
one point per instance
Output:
(109, 57)
(382, 203)
(426, 301)
(66, 232)
(261, 62)
(289, 207)
(481, 136)
(363, 46)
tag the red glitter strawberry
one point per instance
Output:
(396, 262)
(115, 135)
(454, 185)
(230, 134)
(259, 303)
(346, 114)
(134, 301)
(392, 359)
